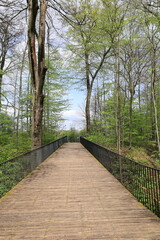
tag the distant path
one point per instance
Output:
(71, 196)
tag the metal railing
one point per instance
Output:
(14, 170)
(142, 181)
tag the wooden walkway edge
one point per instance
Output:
(71, 196)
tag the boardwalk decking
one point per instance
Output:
(72, 197)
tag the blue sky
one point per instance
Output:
(75, 114)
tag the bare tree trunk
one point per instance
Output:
(130, 118)
(1, 75)
(28, 108)
(14, 102)
(118, 104)
(19, 113)
(37, 66)
(153, 81)
(47, 110)
(88, 98)
(139, 95)
(87, 110)
(123, 117)
(2, 62)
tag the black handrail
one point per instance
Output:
(14, 170)
(142, 181)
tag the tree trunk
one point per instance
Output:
(87, 110)
(37, 114)
(153, 81)
(1, 75)
(88, 98)
(15, 93)
(2, 63)
(19, 112)
(130, 118)
(29, 106)
(118, 104)
(123, 117)
(37, 66)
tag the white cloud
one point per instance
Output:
(74, 119)
(73, 114)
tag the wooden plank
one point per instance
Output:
(71, 196)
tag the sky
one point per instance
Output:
(75, 114)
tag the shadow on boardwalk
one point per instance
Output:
(71, 196)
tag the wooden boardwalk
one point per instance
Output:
(71, 196)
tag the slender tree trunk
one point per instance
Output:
(48, 82)
(153, 90)
(87, 110)
(14, 103)
(19, 113)
(118, 118)
(118, 105)
(130, 118)
(95, 107)
(28, 108)
(88, 98)
(2, 63)
(99, 104)
(1, 75)
(139, 96)
(37, 66)
(148, 118)
(123, 117)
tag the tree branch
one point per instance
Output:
(20, 11)
(9, 101)
(101, 63)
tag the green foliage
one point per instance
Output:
(13, 147)
(96, 29)
(73, 135)
(50, 136)
(105, 127)
(6, 127)
(139, 154)
(98, 137)
(7, 152)
(23, 142)
(10, 174)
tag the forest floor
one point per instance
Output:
(146, 154)
(142, 155)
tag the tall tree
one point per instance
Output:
(94, 28)
(36, 48)
(152, 35)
